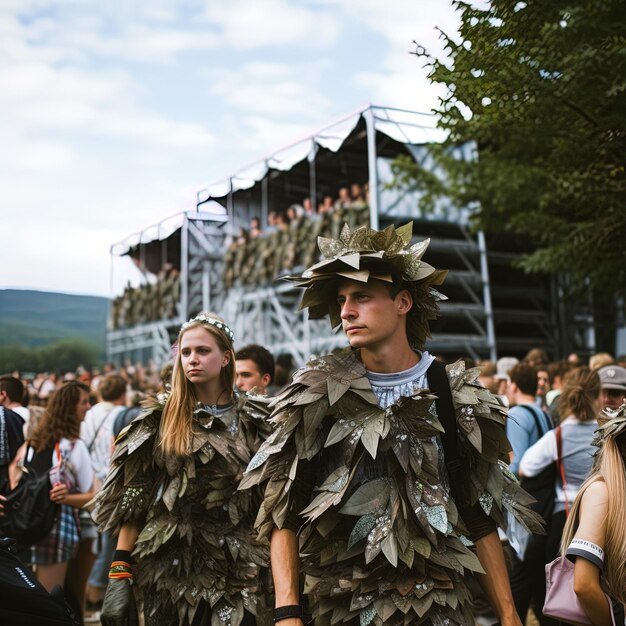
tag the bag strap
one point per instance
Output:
(57, 447)
(540, 429)
(439, 384)
(100, 425)
(560, 466)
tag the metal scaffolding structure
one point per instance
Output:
(492, 308)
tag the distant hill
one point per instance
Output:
(36, 318)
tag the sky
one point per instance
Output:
(114, 114)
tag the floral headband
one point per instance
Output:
(212, 321)
(611, 423)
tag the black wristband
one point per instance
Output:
(123, 555)
(286, 612)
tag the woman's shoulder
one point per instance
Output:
(596, 494)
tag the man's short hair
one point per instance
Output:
(261, 356)
(112, 387)
(525, 377)
(13, 387)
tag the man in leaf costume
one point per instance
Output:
(386, 475)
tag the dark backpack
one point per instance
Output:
(29, 512)
(124, 418)
(541, 487)
(23, 601)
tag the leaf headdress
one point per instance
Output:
(364, 254)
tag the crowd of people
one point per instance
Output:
(148, 302)
(369, 487)
(258, 255)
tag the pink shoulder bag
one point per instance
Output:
(561, 602)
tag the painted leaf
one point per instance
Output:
(370, 497)
(361, 529)
(389, 546)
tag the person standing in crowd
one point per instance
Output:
(284, 366)
(536, 357)
(171, 495)
(557, 372)
(594, 536)
(503, 366)
(543, 387)
(97, 432)
(579, 408)
(613, 383)
(488, 372)
(46, 386)
(12, 397)
(526, 422)
(600, 359)
(11, 440)
(58, 433)
(254, 369)
(360, 477)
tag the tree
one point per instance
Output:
(62, 356)
(539, 88)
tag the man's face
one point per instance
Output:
(543, 383)
(612, 398)
(370, 317)
(249, 377)
(4, 398)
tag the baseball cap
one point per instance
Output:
(612, 377)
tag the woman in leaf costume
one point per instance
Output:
(171, 495)
(384, 468)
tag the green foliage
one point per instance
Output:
(539, 89)
(62, 356)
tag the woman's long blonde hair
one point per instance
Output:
(177, 421)
(610, 468)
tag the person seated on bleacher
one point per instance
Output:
(357, 212)
(326, 207)
(255, 228)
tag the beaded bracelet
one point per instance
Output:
(120, 569)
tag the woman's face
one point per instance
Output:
(83, 405)
(201, 358)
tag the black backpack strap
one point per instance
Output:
(540, 428)
(438, 383)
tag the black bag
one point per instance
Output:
(543, 488)
(23, 601)
(29, 512)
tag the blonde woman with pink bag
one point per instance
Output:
(594, 537)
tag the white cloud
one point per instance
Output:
(249, 24)
(272, 89)
(108, 125)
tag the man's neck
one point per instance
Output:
(522, 398)
(389, 359)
